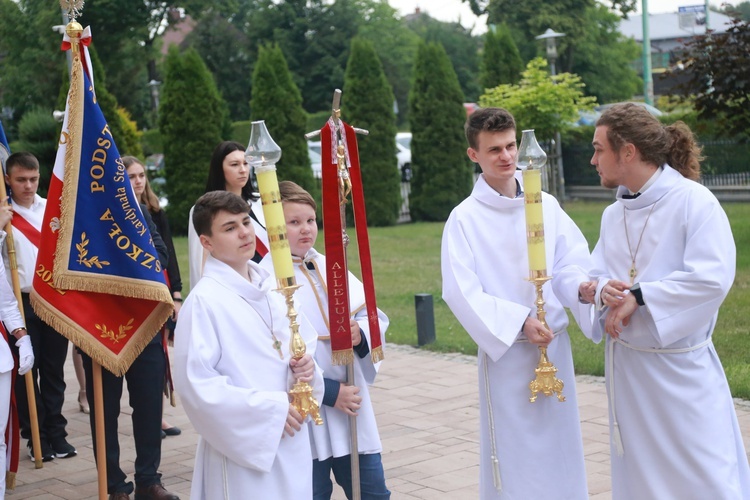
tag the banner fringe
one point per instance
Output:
(377, 354)
(73, 138)
(342, 358)
(10, 480)
(146, 290)
(116, 364)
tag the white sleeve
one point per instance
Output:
(493, 323)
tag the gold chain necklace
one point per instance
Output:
(633, 271)
(276, 342)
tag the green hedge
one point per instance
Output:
(722, 155)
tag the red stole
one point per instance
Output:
(336, 265)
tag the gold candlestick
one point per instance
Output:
(262, 154)
(531, 158)
(545, 381)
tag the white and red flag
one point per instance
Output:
(98, 280)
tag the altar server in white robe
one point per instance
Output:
(233, 368)
(665, 261)
(331, 446)
(527, 450)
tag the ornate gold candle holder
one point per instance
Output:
(302, 392)
(545, 382)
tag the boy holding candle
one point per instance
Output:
(527, 450)
(233, 368)
(331, 441)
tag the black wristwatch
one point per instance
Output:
(636, 291)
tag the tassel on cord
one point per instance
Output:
(491, 421)
(10, 480)
(496, 474)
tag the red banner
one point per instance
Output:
(334, 224)
(98, 280)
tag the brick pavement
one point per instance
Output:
(427, 406)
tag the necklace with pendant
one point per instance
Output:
(633, 255)
(276, 343)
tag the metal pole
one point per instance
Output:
(648, 80)
(708, 25)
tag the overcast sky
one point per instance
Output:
(452, 10)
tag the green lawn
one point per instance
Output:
(406, 261)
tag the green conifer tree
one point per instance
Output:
(501, 61)
(442, 171)
(277, 100)
(367, 102)
(191, 116)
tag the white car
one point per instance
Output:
(316, 161)
(403, 140)
(403, 144)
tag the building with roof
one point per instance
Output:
(669, 32)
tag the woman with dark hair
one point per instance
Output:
(228, 171)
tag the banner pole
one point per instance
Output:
(101, 444)
(36, 441)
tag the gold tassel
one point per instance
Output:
(342, 358)
(377, 354)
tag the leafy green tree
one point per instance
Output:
(501, 61)
(38, 133)
(128, 36)
(603, 58)
(367, 102)
(545, 103)
(442, 171)
(191, 117)
(461, 47)
(314, 35)
(31, 65)
(718, 77)
(396, 46)
(277, 101)
(741, 10)
(531, 18)
(226, 52)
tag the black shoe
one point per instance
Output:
(48, 454)
(63, 449)
(163, 434)
(172, 431)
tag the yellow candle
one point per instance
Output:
(281, 253)
(532, 187)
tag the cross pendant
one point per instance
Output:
(277, 346)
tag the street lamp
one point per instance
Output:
(549, 37)
(558, 179)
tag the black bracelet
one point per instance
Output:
(637, 294)
(177, 299)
